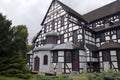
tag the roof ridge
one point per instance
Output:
(102, 12)
(100, 7)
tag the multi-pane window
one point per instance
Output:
(94, 55)
(62, 20)
(53, 25)
(102, 37)
(62, 39)
(68, 57)
(118, 55)
(75, 36)
(45, 61)
(55, 57)
(118, 34)
(106, 55)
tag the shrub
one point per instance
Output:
(61, 77)
(110, 75)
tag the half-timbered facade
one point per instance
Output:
(80, 43)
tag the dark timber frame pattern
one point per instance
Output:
(98, 30)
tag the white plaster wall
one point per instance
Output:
(41, 54)
(106, 66)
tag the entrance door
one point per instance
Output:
(36, 63)
(75, 61)
(96, 67)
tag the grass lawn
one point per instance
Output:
(82, 76)
(13, 78)
(38, 77)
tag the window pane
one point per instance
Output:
(45, 60)
(118, 34)
(106, 55)
(55, 57)
(102, 37)
(68, 57)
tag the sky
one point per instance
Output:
(32, 12)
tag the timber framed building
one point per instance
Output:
(81, 43)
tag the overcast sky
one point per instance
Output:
(31, 12)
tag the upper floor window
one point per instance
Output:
(75, 36)
(53, 25)
(102, 37)
(94, 55)
(62, 39)
(45, 28)
(62, 20)
(118, 34)
(45, 61)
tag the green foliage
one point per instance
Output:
(40, 77)
(16, 66)
(13, 49)
(110, 75)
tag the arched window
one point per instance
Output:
(45, 62)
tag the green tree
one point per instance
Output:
(5, 36)
(20, 40)
(13, 49)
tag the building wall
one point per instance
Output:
(41, 54)
(71, 29)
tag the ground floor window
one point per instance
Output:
(45, 60)
(68, 56)
(55, 56)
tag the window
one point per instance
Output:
(106, 55)
(62, 39)
(118, 34)
(94, 55)
(75, 36)
(45, 28)
(118, 55)
(53, 25)
(102, 37)
(55, 57)
(62, 20)
(68, 57)
(45, 60)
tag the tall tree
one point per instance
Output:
(5, 36)
(20, 40)
(13, 49)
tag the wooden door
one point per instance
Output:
(75, 61)
(36, 63)
(96, 67)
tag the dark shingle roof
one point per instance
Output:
(110, 45)
(91, 47)
(104, 11)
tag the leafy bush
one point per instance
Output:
(14, 67)
(40, 77)
(110, 75)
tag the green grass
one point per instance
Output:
(13, 78)
(59, 77)
(79, 76)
